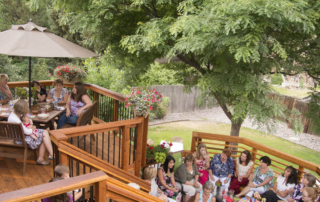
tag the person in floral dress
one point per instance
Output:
(165, 179)
(202, 160)
(261, 180)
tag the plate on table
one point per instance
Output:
(60, 108)
(43, 116)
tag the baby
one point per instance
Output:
(27, 122)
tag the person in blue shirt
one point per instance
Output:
(221, 168)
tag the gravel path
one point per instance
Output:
(216, 114)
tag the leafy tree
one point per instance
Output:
(225, 46)
(276, 79)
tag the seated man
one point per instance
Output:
(221, 168)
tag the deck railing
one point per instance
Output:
(216, 143)
(100, 186)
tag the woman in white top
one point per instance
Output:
(149, 175)
(281, 187)
(33, 141)
(244, 167)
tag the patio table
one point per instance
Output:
(48, 122)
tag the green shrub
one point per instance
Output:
(277, 79)
(161, 111)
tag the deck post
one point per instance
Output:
(63, 158)
(144, 141)
(138, 153)
(300, 173)
(254, 154)
(96, 107)
(100, 191)
(125, 148)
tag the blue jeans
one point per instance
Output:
(63, 119)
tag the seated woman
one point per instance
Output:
(149, 175)
(202, 160)
(165, 179)
(58, 93)
(5, 94)
(206, 195)
(260, 181)
(77, 102)
(244, 167)
(281, 187)
(221, 168)
(20, 110)
(187, 174)
(310, 194)
(42, 95)
(308, 180)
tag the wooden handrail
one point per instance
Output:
(84, 130)
(93, 87)
(127, 192)
(54, 188)
(99, 164)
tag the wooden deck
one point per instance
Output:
(11, 177)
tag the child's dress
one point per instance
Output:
(32, 143)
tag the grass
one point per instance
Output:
(184, 129)
(300, 93)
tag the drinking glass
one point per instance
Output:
(43, 110)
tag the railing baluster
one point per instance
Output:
(102, 145)
(119, 148)
(108, 146)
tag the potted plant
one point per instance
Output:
(158, 153)
(142, 101)
(22, 93)
(69, 74)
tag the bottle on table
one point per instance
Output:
(11, 105)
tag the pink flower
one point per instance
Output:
(156, 92)
(151, 108)
(150, 148)
(126, 99)
(138, 92)
(170, 144)
(162, 146)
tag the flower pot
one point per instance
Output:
(73, 81)
(138, 113)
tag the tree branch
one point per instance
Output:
(223, 106)
(191, 62)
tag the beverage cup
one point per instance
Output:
(231, 192)
(204, 154)
(240, 178)
(43, 110)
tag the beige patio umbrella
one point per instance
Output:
(31, 40)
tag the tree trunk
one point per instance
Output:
(235, 128)
(235, 131)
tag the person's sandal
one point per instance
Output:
(50, 157)
(43, 162)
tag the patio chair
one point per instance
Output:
(84, 118)
(10, 132)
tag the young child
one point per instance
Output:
(27, 122)
(62, 171)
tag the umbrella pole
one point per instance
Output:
(30, 82)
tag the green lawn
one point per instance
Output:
(292, 92)
(184, 129)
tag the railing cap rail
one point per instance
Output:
(93, 87)
(288, 157)
(54, 188)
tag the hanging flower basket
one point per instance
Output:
(69, 74)
(142, 101)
